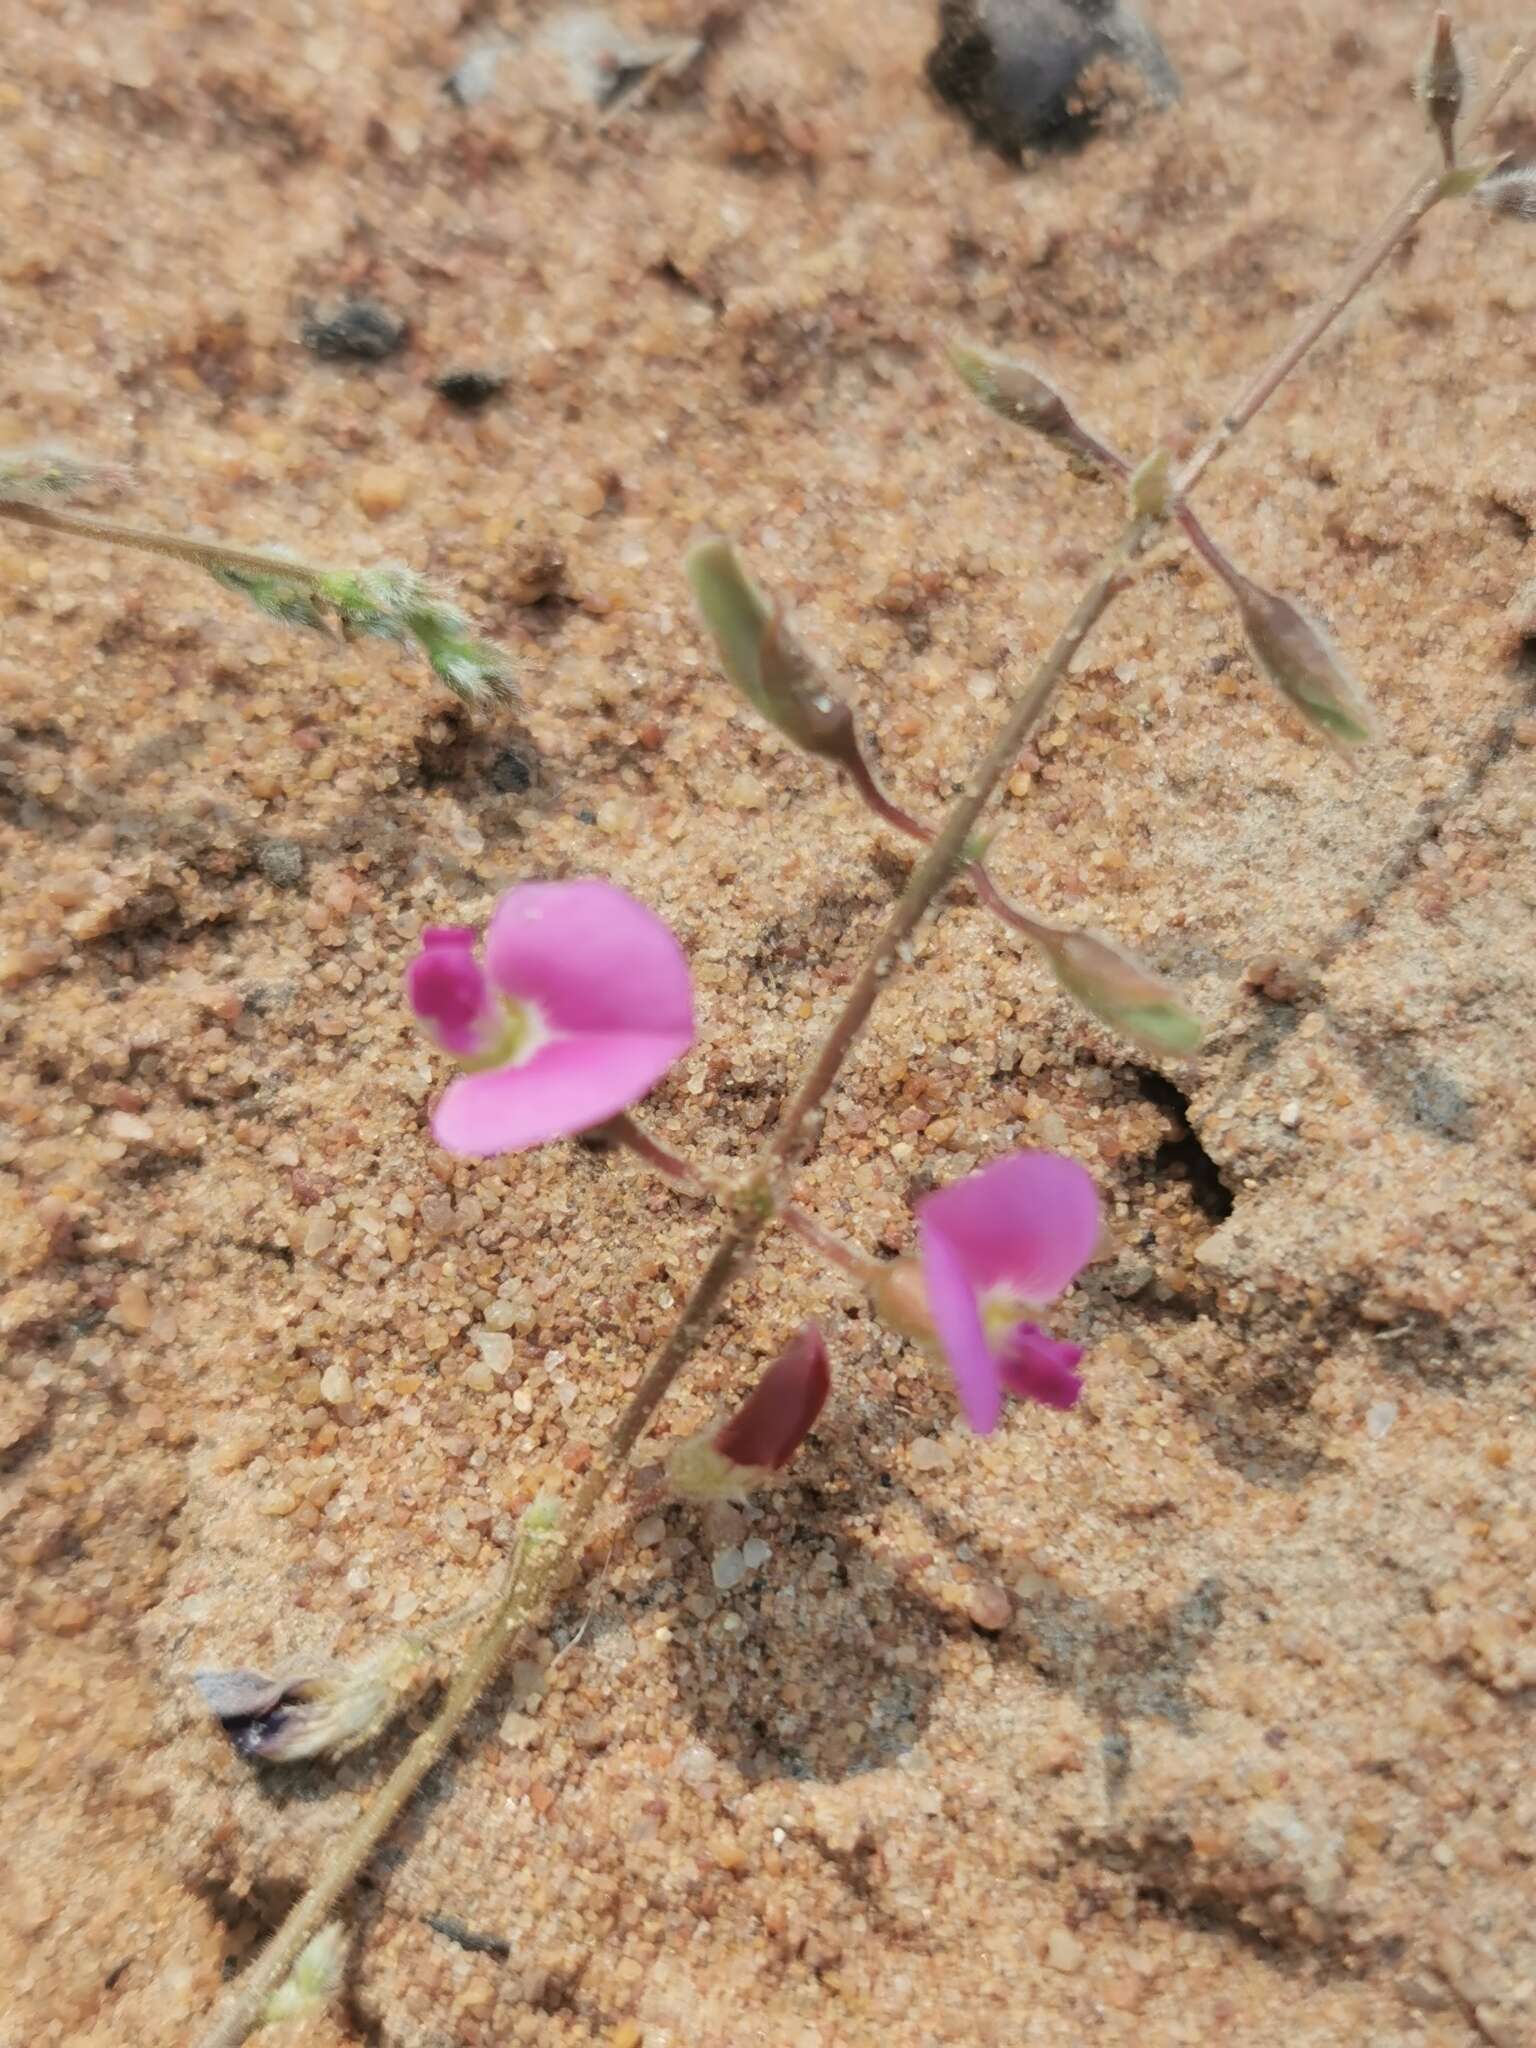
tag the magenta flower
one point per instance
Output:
(583, 1003)
(997, 1247)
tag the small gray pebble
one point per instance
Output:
(282, 862)
(360, 330)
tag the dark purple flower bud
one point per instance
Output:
(1441, 84)
(730, 1460)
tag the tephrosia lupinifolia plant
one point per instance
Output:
(577, 1000)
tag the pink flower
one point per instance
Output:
(583, 1003)
(996, 1247)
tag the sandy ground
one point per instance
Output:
(1201, 1713)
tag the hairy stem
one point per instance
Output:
(182, 547)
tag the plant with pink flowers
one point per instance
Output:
(579, 1003)
(584, 1001)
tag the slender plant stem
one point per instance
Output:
(1100, 454)
(1404, 217)
(884, 805)
(538, 1569)
(531, 1583)
(627, 1130)
(1200, 539)
(837, 1251)
(802, 1113)
(206, 554)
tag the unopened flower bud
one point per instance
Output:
(763, 659)
(1441, 84)
(901, 1300)
(1511, 192)
(318, 1713)
(1151, 486)
(732, 1459)
(1296, 655)
(313, 1981)
(1117, 989)
(540, 1520)
(1014, 391)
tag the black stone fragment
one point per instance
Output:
(469, 388)
(359, 331)
(282, 862)
(466, 1937)
(511, 772)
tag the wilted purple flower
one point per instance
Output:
(318, 1713)
(996, 1248)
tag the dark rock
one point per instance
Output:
(359, 331)
(282, 862)
(511, 772)
(1031, 73)
(469, 388)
